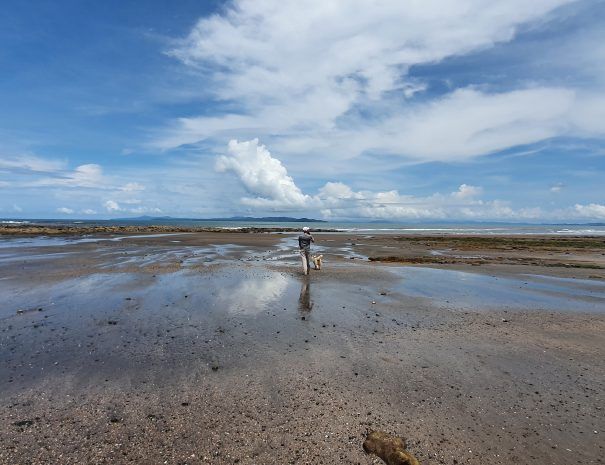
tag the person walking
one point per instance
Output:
(304, 244)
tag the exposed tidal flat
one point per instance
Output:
(206, 347)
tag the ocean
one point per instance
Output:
(448, 228)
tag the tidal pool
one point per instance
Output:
(452, 288)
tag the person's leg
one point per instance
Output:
(308, 260)
(303, 257)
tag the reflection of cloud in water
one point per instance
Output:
(253, 295)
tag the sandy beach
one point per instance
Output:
(187, 347)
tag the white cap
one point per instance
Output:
(305, 229)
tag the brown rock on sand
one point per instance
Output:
(389, 448)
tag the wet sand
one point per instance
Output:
(212, 348)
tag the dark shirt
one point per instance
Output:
(304, 241)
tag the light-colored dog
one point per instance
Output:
(316, 259)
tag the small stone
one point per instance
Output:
(23, 423)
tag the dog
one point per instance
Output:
(316, 259)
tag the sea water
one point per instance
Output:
(374, 227)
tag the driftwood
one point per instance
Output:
(389, 448)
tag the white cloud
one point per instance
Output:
(267, 181)
(32, 171)
(17, 208)
(468, 122)
(299, 71)
(411, 88)
(132, 187)
(141, 210)
(467, 192)
(89, 175)
(28, 162)
(270, 186)
(588, 116)
(176, 184)
(557, 187)
(278, 48)
(112, 206)
(65, 210)
(593, 210)
(262, 175)
(86, 176)
(339, 200)
(334, 192)
(463, 124)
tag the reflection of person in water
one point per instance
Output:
(304, 301)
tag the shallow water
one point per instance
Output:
(16, 257)
(236, 290)
(252, 289)
(115, 321)
(186, 256)
(288, 249)
(53, 241)
(461, 289)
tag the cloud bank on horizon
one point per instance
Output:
(267, 180)
(442, 109)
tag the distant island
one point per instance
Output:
(263, 219)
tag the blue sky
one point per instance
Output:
(459, 110)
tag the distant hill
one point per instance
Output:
(268, 219)
(264, 219)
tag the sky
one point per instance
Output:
(399, 110)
